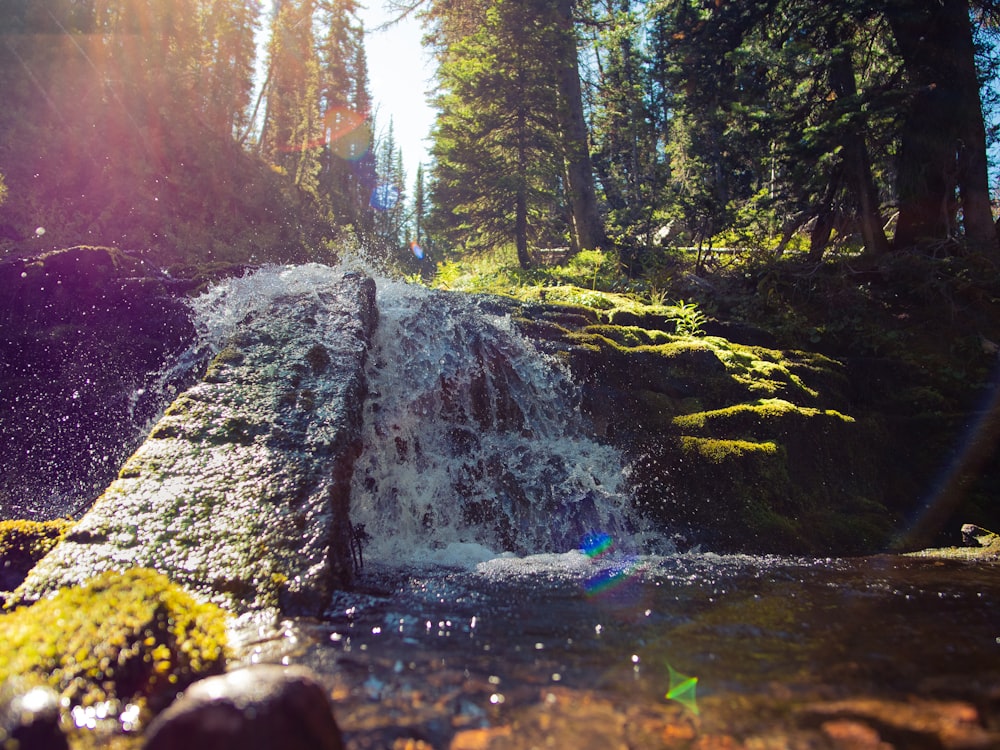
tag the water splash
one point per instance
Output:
(474, 442)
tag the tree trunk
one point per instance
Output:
(588, 229)
(857, 162)
(943, 142)
(521, 197)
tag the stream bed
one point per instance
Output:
(572, 651)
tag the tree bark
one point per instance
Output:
(943, 141)
(857, 162)
(587, 226)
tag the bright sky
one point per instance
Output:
(399, 75)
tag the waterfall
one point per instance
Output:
(474, 443)
(473, 440)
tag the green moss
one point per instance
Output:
(630, 336)
(752, 418)
(229, 355)
(717, 451)
(30, 539)
(122, 638)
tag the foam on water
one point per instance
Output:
(223, 307)
(474, 441)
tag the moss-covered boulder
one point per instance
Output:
(117, 649)
(738, 447)
(241, 491)
(24, 543)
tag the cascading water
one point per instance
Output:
(474, 442)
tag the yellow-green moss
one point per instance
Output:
(718, 451)
(229, 355)
(123, 638)
(756, 411)
(30, 539)
(578, 296)
(630, 336)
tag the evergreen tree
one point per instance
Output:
(629, 156)
(388, 198)
(497, 141)
(942, 154)
(419, 206)
(292, 133)
(838, 127)
(347, 176)
(226, 68)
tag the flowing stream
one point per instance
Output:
(510, 598)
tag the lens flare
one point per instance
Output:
(610, 578)
(384, 197)
(681, 688)
(595, 545)
(348, 133)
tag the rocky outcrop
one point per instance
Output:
(85, 335)
(240, 493)
(736, 447)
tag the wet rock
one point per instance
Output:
(29, 717)
(740, 448)
(259, 708)
(241, 491)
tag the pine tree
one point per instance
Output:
(629, 158)
(292, 133)
(347, 176)
(498, 141)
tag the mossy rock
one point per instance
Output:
(787, 496)
(763, 418)
(24, 543)
(121, 646)
(717, 371)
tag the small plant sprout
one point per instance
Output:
(688, 319)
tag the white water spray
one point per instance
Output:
(474, 442)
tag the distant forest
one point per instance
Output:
(201, 131)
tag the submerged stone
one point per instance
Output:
(29, 717)
(240, 493)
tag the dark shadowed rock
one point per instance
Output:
(84, 336)
(264, 707)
